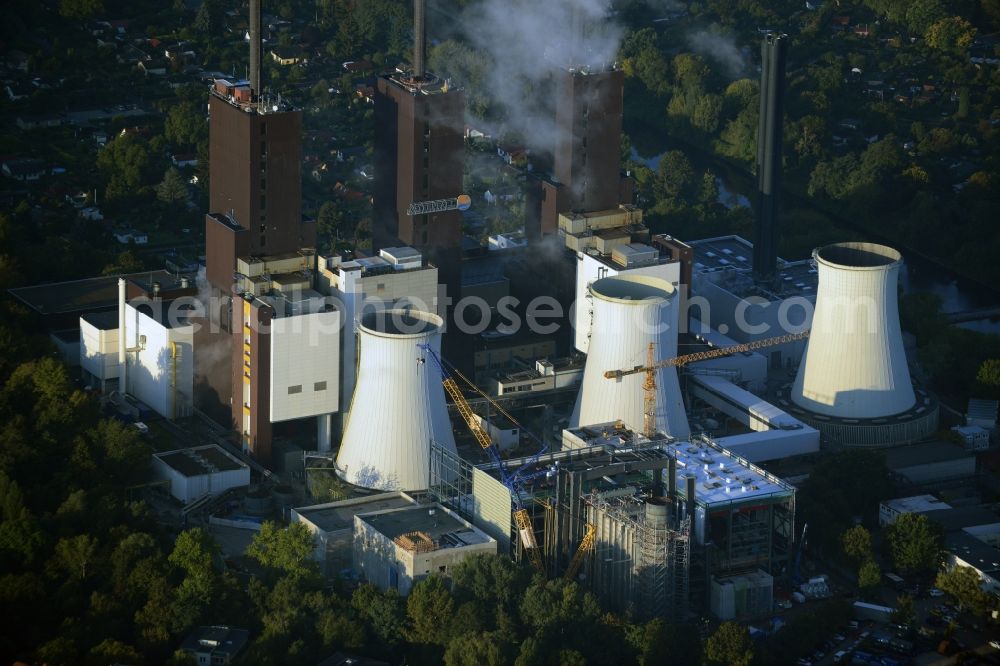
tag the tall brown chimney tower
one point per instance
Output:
(255, 49)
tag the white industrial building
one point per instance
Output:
(397, 548)
(546, 375)
(99, 350)
(200, 471)
(398, 278)
(964, 550)
(398, 405)
(631, 312)
(889, 510)
(153, 360)
(976, 438)
(305, 365)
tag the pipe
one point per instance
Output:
(324, 428)
(690, 491)
(173, 380)
(419, 38)
(254, 49)
(122, 361)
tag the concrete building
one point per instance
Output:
(397, 548)
(505, 434)
(976, 438)
(215, 646)
(546, 375)
(930, 462)
(200, 471)
(332, 525)
(99, 350)
(774, 434)
(891, 509)
(742, 596)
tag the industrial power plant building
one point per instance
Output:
(668, 516)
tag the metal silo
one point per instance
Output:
(629, 313)
(398, 404)
(854, 365)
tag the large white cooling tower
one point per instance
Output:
(629, 313)
(854, 365)
(398, 404)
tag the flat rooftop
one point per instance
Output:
(927, 453)
(88, 294)
(916, 504)
(200, 460)
(979, 554)
(102, 321)
(340, 515)
(443, 528)
(732, 258)
(959, 518)
(720, 475)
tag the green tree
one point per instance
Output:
(869, 575)
(429, 609)
(474, 650)
(125, 162)
(914, 542)
(330, 220)
(965, 585)
(382, 610)
(675, 176)
(905, 613)
(729, 645)
(921, 14)
(80, 10)
(76, 554)
(172, 189)
(185, 125)
(20, 537)
(857, 543)
(953, 34)
(209, 16)
(287, 550)
(988, 379)
(125, 262)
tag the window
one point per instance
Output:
(319, 386)
(263, 241)
(292, 390)
(263, 148)
(263, 228)
(263, 128)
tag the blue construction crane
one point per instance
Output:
(796, 572)
(513, 481)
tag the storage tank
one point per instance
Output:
(398, 404)
(854, 365)
(629, 313)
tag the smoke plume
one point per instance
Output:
(721, 48)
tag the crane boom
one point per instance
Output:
(461, 202)
(678, 361)
(522, 518)
(586, 545)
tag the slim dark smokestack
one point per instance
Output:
(255, 48)
(419, 38)
(672, 478)
(773, 52)
(689, 490)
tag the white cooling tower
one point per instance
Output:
(854, 365)
(629, 312)
(398, 404)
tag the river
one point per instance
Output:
(957, 294)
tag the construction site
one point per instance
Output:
(650, 525)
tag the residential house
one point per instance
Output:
(286, 55)
(24, 170)
(181, 160)
(215, 646)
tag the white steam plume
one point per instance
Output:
(720, 48)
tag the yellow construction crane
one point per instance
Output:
(649, 384)
(586, 545)
(522, 518)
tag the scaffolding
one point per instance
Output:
(642, 563)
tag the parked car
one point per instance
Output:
(995, 644)
(934, 592)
